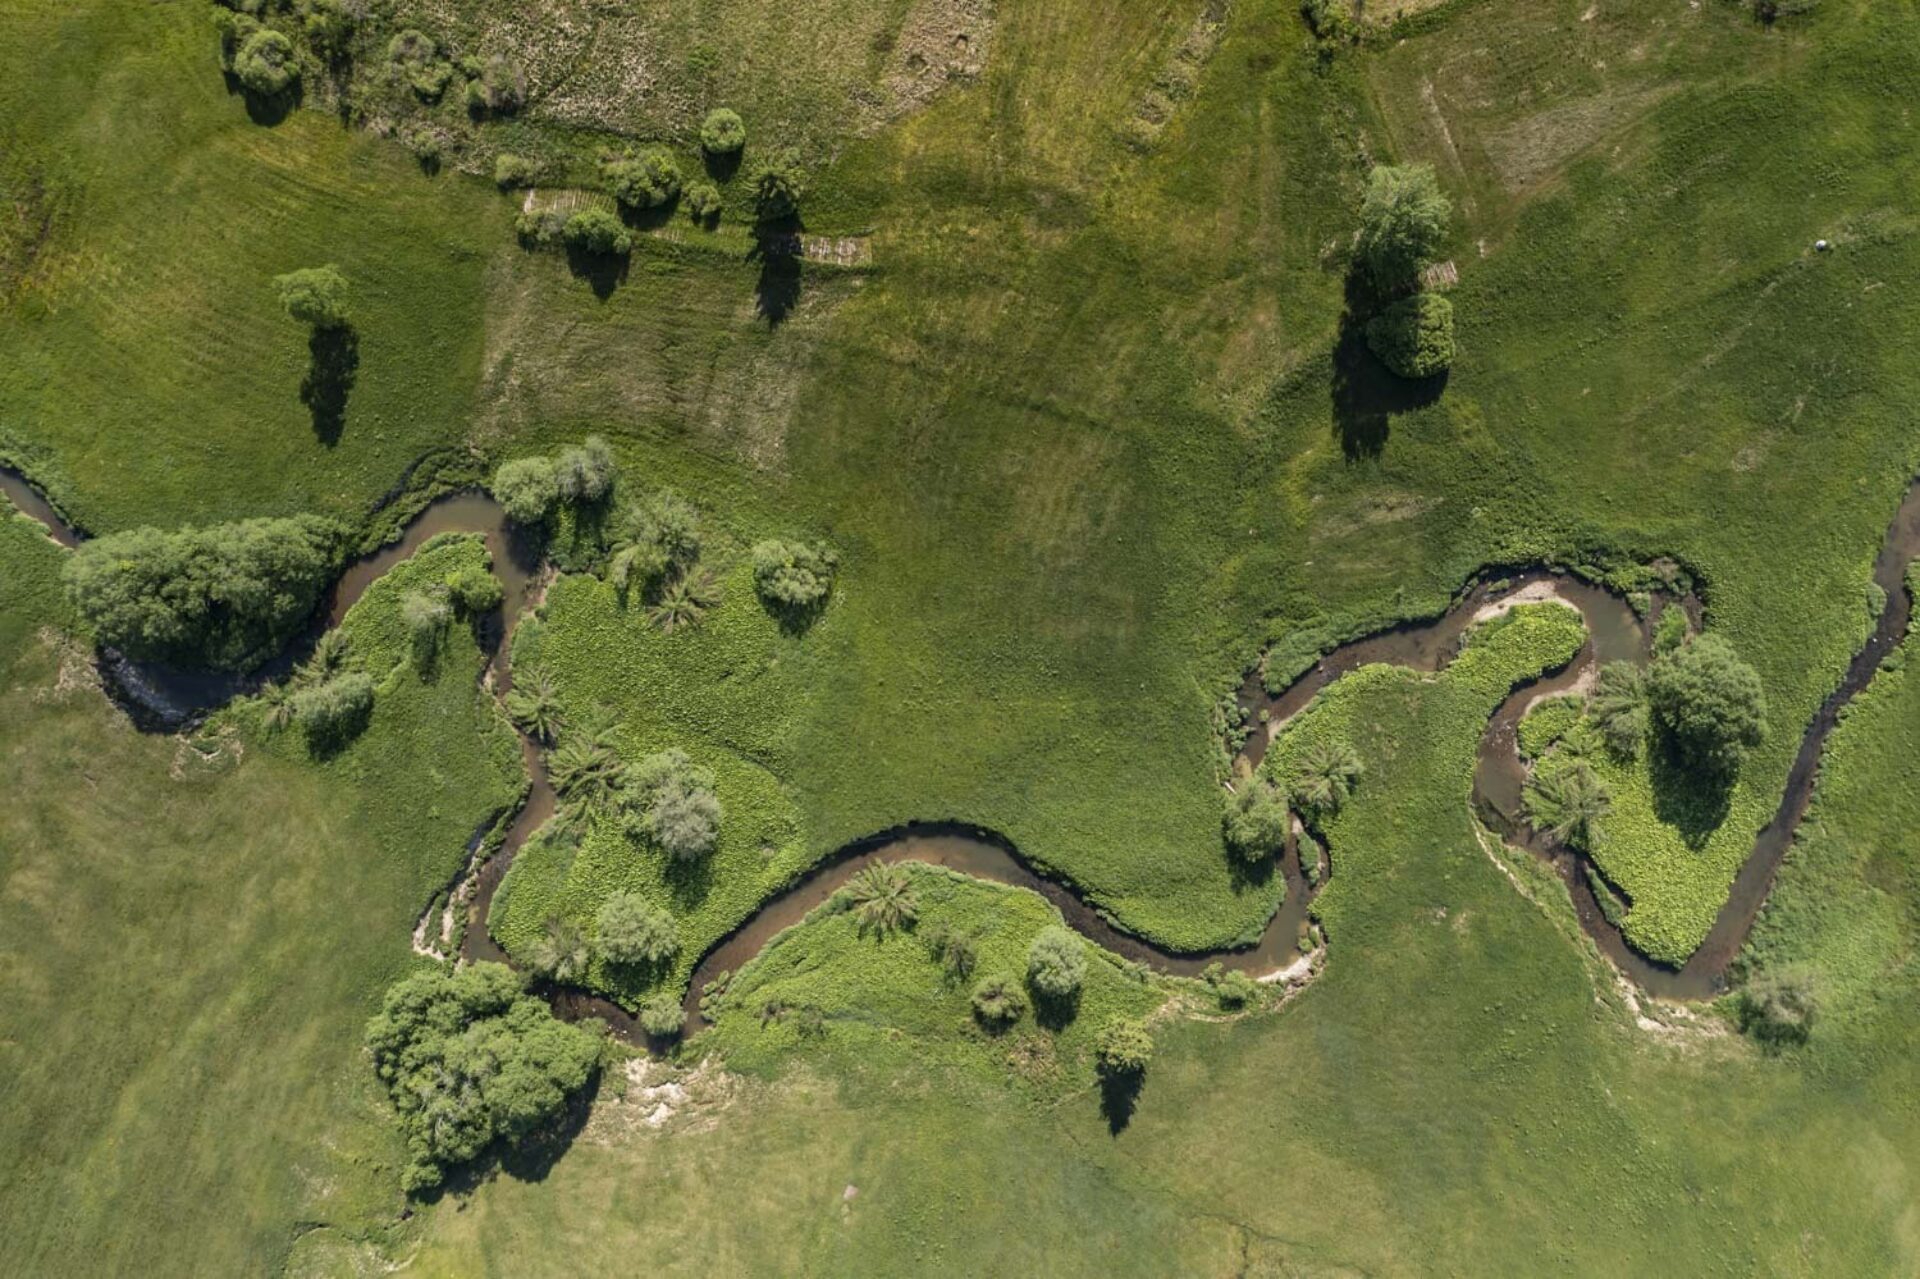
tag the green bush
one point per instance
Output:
(791, 576)
(511, 171)
(475, 591)
(953, 951)
(1331, 21)
(997, 1002)
(722, 132)
(1124, 1048)
(416, 59)
(333, 713)
(469, 1058)
(1670, 632)
(598, 231)
(1324, 775)
(1056, 964)
(883, 898)
(652, 538)
(703, 203)
(1414, 336)
(267, 64)
(632, 930)
(1708, 703)
(315, 296)
(426, 616)
(1403, 222)
(1620, 707)
(329, 27)
(1565, 798)
(226, 597)
(499, 89)
(1233, 988)
(778, 184)
(234, 29)
(561, 953)
(1256, 821)
(527, 488)
(661, 1016)
(644, 181)
(670, 799)
(1778, 1007)
(586, 472)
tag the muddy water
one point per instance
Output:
(27, 500)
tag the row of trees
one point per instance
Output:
(1259, 815)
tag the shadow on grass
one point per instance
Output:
(777, 292)
(1366, 394)
(721, 166)
(533, 1158)
(333, 363)
(1053, 1012)
(603, 272)
(266, 109)
(1692, 800)
(1119, 1094)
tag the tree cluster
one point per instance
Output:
(529, 489)
(793, 577)
(1403, 226)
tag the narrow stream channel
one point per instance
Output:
(1614, 633)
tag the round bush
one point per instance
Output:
(598, 231)
(632, 930)
(1056, 964)
(660, 1016)
(266, 63)
(586, 472)
(510, 171)
(335, 712)
(475, 591)
(722, 132)
(703, 202)
(1124, 1048)
(1256, 821)
(792, 575)
(315, 296)
(527, 489)
(1414, 336)
(644, 181)
(778, 185)
(1403, 222)
(997, 1001)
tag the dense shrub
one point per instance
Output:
(468, 1057)
(1620, 707)
(527, 488)
(644, 181)
(474, 590)
(234, 29)
(1778, 1007)
(335, 712)
(315, 295)
(1324, 775)
(778, 184)
(225, 597)
(953, 951)
(597, 231)
(1565, 798)
(632, 930)
(586, 472)
(653, 538)
(661, 1015)
(1256, 821)
(1056, 964)
(792, 576)
(703, 203)
(266, 63)
(883, 898)
(510, 171)
(1233, 988)
(499, 89)
(671, 800)
(560, 953)
(1414, 336)
(997, 1001)
(416, 59)
(1708, 703)
(1124, 1047)
(426, 615)
(329, 27)
(722, 132)
(1670, 632)
(1331, 21)
(1403, 222)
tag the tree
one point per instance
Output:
(1709, 703)
(315, 296)
(1414, 336)
(997, 1001)
(955, 951)
(227, 596)
(778, 184)
(632, 930)
(1124, 1048)
(703, 203)
(1056, 964)
(426, 615)
(469, 1058)
(1324, 774)
(652, 539)
(1256, 821)
(416, 59)
(329, 27)
(722, 132)
(883, 898)
(661, 1016)
(644, 181)
(670, 799)
(586, 773)
(597, 231)
(527, 488)
(586, 472)
(792, 576)
(267, 64)
(683, 601)
(1567, 800)
(535, 707)
(333, 713)
(560, 953)
(1620, 707)
(1403, 222)
(474, 590)
(499, 89)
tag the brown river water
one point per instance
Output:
(1614, 633)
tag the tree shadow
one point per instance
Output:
(777, 291)
(1053, 1012)
(603, 272)
(689, 881)
(723, 165)
(333, 363)
(531, 1160)
(1245, 876)
(266, 109)
(1119, 1094)
(1366, 394)
(1692, 800)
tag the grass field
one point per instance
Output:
(1088, 438)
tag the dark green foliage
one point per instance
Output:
(883, 899)
(315, 296)
(468, 1057)
(792, 576)
(1325, 775)
(1256, 821)
(1056, 964)
(632, 930)
(234, 30)
(585, 473)
(527, 488)
(225, 597)
(475, 591)
(653, 539)
(644, 181)
(703, 203)
(1414, 336)
(661, 1015)
(1778, 1007)
(585, 770)
(426, 615)
(329, 27)
(954, 951)
(335, 712)
(499, 89)
(510, 171)
(266, 64)
(1233, 988)
(1565, 798)
(778, 184)
(1620, 707)
(1124, 1048)
(722, 132)
(1331, 21)
(598, 231)
(560, 953)
(683, 601)
(1403, 222)
(670, 799)
(1709, 703)
(535, 707)
(416, 59)
(1670, 632)
(997, 1001)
